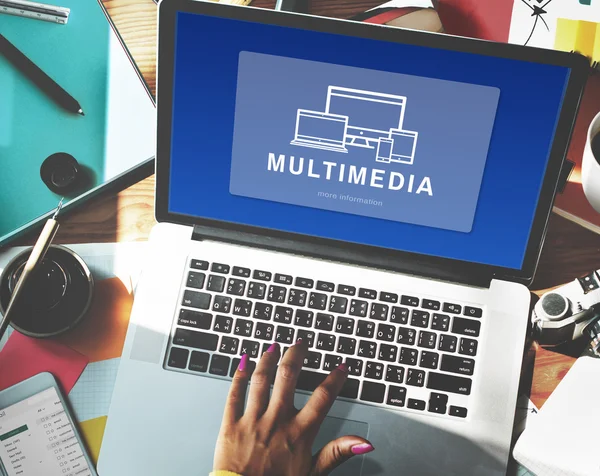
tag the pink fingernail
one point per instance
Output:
(243, 363)
(362, 448)
(273, 347)
(299, 341)
(343, 367)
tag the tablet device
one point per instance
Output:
(37, 432)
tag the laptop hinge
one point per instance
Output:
(422, 266)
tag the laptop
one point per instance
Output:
(320, 130)
(415, 274)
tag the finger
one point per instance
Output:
(234, 406)
(260, 384)
(337, 451)
(320, 402)
(287, 376)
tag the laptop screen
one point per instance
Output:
(440, 152)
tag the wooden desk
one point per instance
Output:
(569, 251)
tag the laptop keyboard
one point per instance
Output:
(406, 352)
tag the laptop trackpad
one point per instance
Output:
(333, 428)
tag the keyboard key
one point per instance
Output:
(222, 304)
(430, 304)
(283, 314)
(449, 383)
(304, 318)
(429, 360)
(178, 358)
(297, 297)
(251, 366)
(338, 304)
(344, 325)
(408, 356)
(243, 328)
(386, 332)
(394, 374)
(242, 307)
(472, 311)
(276, 294)
(379, 311)
(312, 360)
(199, 361)
(241, 272)
(229, 345)
(388, 297)
(365, 329)
(264, 331)
(309, 381)
(250, 347)
(236, 286)
(283, 279)
(447, 343)
(318, 301)
(409, 301)
(354, 366)
(220, 268)
(223, 324)
(325, 286)
(261, 275)
(373, 392)
(331, 362)
(467, 327)
(406, 335)
(284, 335)
(419, 318)
(219, 364)
(399, 315)
(326, 342)
(457, 411)
(347, 290)
(467, 346)
(215, 283)
(367, 349)
(346, 345)
(453, 308)
(196, 299)
(263, 311)
(304, 283)
(324, 322)
(415, 377)
(199, 320)
(195, 339)
(199, 264)
(374, 370)
(388, 352)
(358, 308)
(440, 322)
(257, 290)
(195, 280)
(367, 293)
(396, 396)
(427, 339)
(306, 336)
(457, 365)
(415, 404)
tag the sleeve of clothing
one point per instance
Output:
(223, 473)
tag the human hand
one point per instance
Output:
(270, 436)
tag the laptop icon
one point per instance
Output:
(320, 130)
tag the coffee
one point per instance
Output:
(596, 147)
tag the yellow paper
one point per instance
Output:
(576, 35)
(92, 432)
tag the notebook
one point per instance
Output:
(116, 135)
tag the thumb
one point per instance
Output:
(337, 451)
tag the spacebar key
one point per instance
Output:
(310, 380)
(197, 340)
(449, 383)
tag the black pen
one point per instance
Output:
(38, 77)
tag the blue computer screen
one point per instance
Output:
(441, 153)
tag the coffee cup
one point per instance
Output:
(590, 167)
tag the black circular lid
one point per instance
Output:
(60, 172)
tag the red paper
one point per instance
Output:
(23, 357)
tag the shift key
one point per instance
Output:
(197, 340)
(449, 383)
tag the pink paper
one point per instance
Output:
(23, 357)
